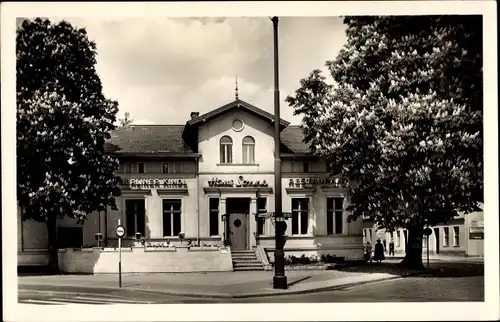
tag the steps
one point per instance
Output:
(246, 260)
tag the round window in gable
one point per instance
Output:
(238, 125)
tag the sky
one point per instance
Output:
(162, 69)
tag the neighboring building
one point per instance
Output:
(184, 178)
(461, 236)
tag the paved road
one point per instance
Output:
(410, 289)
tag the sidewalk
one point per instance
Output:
(218, 285)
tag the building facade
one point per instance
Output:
(206, 181)
(461, 236)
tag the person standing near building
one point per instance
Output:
(391, 248)
(368, 252)
(385, 245)
(379, 252)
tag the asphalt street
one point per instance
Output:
(409, 289)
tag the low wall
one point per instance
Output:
(33, 258)
(145, 260)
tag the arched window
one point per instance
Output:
(226, 150)
(248, 149)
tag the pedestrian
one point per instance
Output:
(391, 248)
(379, 252)
(368, 252)
(385, 245)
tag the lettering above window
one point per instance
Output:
(155, 183)
(310, 182)
(240, 182)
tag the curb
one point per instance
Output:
(241, 295)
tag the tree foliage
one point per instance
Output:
(63, 121)
(126, 120)
(403, 118)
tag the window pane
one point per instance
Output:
(167, 223)
(306, 167)
(329, 222)
(252, 153)
(214, 216)
(329, 203)
(338, 222)
(177, 167)
(248, 140)
(229, 154)
(260, 226)
(140, 168)
(140, 215)
(130, 217)
(295, 204)
(222, 154)
(339, 203)
(226, 140)
(165, 167)
(295, 223)
(128, 167)
(304, 220)
(245, 154)
(262, 204)
(177, 224)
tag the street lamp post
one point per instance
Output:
(279, 280)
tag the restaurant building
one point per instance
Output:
(207, 180)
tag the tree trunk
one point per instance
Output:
(53, 251)
(413, 257)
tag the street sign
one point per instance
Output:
(120, 231)
(427, 231)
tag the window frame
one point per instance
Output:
(139, 167)
(300, 214)
(212, 211)
(456, 236)
(125, 167)
(172, 212)
(446, 237)
(261, 221)
(226, 150)
(246, 149)
(128, 232)
(333, 212)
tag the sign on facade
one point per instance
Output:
(155, 183)
(240, 182)
(476, 232)
(311, 182)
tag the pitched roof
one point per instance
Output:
(293, 138)
(236, 104)
(167, 140)
(148, 139)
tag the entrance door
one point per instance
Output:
(436, 234)
(238, 231)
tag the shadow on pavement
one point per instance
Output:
(436, 269)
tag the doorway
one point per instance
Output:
(436, 234)
(238, 210)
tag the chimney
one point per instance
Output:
(194, 115)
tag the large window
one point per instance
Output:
(69, 237)
(140, 167)
(248, 150)
(456, 236)
(334, 215)
(261, 208)
(300, 216)
(226, 150)
(171, 217)
(446, 239)
(214, 216)
(135, 216)
(127, 167)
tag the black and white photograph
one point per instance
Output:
(334, 153)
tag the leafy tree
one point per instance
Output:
(402, 120)
(126, 121)
(63, 121)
